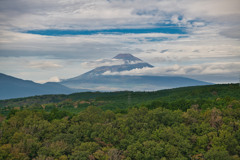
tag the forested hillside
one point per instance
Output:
(160, 133)
(200, 123)
(179, 98)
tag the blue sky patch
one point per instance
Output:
(183, 36)
(155, 39)
(57, 32)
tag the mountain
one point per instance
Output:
(127, 57)
(11, 87)
(129, 62)
(97, 80)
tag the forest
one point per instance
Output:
(199, 123)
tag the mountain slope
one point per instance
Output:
(96, 80)
(11, 87)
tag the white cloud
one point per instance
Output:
(20, 67)
(51, 79)
(44, 65)
(177, 70)
(106, 62)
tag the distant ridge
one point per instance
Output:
(11, 87)
(96, 80)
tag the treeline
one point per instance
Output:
(196, 92)
(179, 98)
(121, 107)
(142, 133)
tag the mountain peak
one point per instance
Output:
(127, 57)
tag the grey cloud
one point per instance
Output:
(81, 50)
(44, 65)
(163, 51)
(149, 11)
(54, 13)
(196, 50)
(231, 32)
(168, 59)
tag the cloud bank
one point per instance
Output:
(177, 70)
(211, 35)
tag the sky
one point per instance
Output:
(51, 40)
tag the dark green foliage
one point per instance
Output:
(11, 113)
(140, 134)
(57, 114)
(167, 127)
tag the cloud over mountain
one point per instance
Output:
(208, 68)
(132, 75)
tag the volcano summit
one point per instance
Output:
(97, 79)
